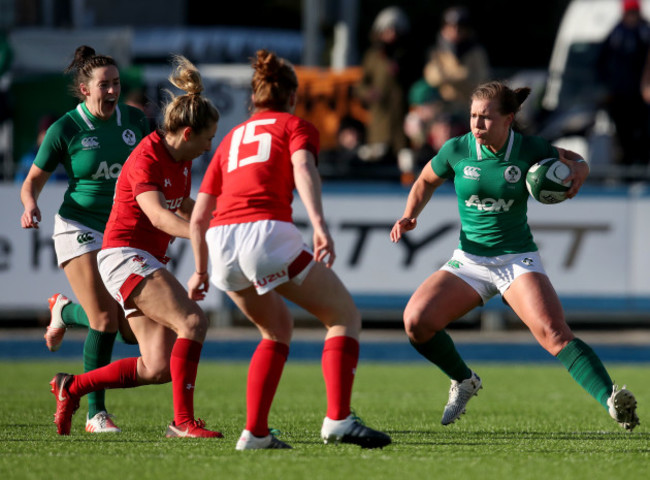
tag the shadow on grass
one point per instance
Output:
(570, 441)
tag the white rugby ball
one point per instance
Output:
(544, 181)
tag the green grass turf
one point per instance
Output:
(528, 422)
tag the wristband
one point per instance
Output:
(201, 273)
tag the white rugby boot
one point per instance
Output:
(459, 394)
(101, 423)
(352, 430)
(622, 408)
(248, 441)
(56, 329)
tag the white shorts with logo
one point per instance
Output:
(492, 275)
(72, 239)
(266, 253)
(123, 268)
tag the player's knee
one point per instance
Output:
(194, 326)
(349, 320)
(553, 340)
(353, 323)
(156, 373)
(162, 376)
(417, 328)
(353, 318)
(341, 315)
(103, 322)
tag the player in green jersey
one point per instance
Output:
(92, 142)
(497, 254)
(152, 205)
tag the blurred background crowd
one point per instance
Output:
(386, 84)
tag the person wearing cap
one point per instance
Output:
(387, 73)
(424, 105)
(619, 65)
(457, 63)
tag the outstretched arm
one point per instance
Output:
(308, 184)
(419, 196)
(29, 192)
(198, 284)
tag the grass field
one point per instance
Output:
(528, 422)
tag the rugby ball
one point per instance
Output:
(544, 181)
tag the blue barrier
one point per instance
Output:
(384, 351)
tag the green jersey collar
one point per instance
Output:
(511, 141)
(85, 114)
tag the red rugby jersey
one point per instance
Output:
(251, 172)
(150, 167)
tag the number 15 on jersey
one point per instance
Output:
(246, 135)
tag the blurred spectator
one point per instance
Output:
(27, 159)
(443, 127)
(386, 71)
(425, 104)
(645, 80)
(136, 97)
(457, 63)
(620, 65)
(341, 162)
(428, 125)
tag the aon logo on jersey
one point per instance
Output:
(106, 172)
(489, 204)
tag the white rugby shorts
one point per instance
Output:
(492, 275)
(72, 239)
(265, 253)
(123, 268)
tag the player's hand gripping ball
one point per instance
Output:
(544, 181)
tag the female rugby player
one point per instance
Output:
(92, 142)
(497, 254)
(152, 205)
(243, 220)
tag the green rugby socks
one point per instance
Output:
(98, 348)
(441, 351)
(586, 368)
(74, 315)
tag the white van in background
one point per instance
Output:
(584, 26)
(573, 95)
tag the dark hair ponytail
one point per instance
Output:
(83, 65)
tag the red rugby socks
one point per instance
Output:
(119, 374)
(184, 365)
(339, 363)
(264, 375)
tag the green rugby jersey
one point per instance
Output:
(93, 152)
(491, 191)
